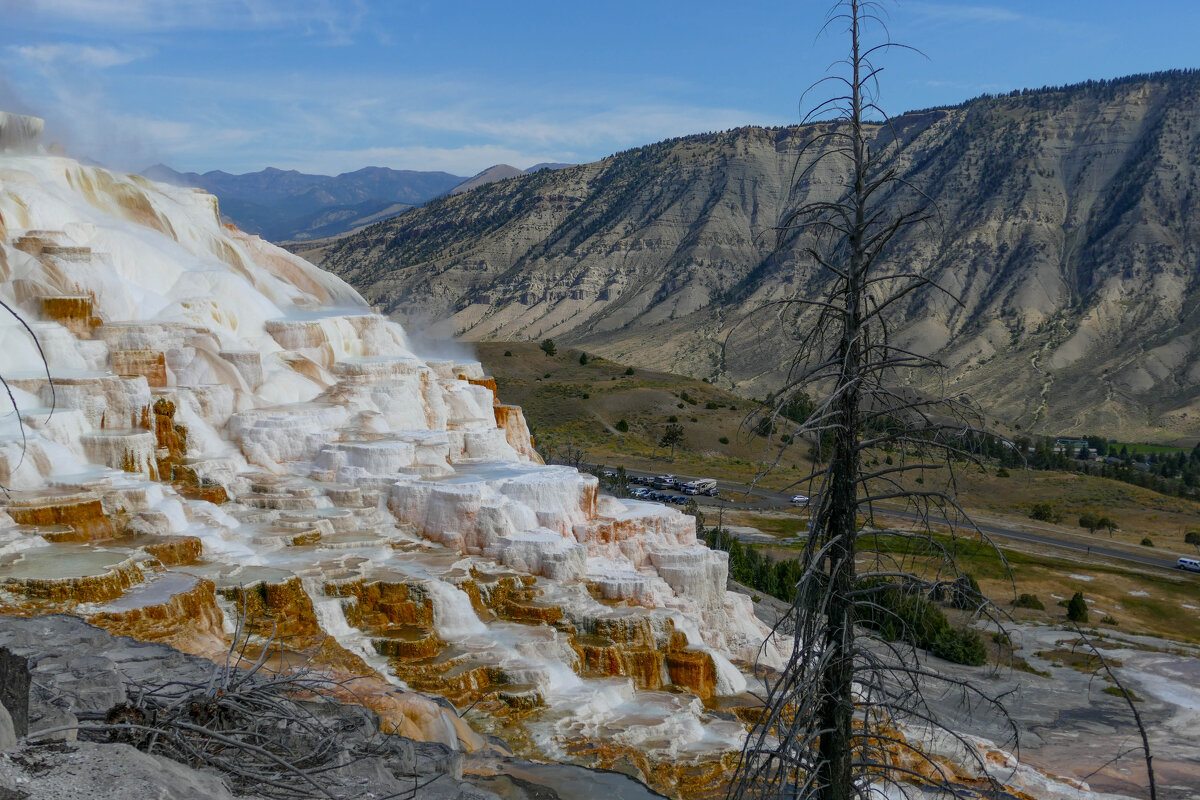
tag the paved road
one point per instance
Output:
(740, 496)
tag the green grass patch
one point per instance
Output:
(1137, 447)
(1117, 691)
(1021, 665)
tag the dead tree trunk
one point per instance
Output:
(829, 730)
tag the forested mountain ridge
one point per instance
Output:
(1067, 228)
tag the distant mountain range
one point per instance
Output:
(1069, 230)
(283, 205)
(286, 205)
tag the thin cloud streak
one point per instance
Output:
(626, 124)
(964, 13)
(83, 55)
(337, 19)
(440, 120)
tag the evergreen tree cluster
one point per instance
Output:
(1172, 473)
(889, 610)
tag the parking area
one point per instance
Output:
(679, 489)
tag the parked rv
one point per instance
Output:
(699, 486)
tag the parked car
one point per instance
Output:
(608, 473)
(699, 486)
(639, 492)
(799, 500)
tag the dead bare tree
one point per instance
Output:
(282, 733)
(848, 713)
(8, 388)
(1130, 701)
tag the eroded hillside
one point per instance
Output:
(1068, 230)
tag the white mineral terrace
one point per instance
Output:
(344, 454)
(190, 364)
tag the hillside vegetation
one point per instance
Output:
(1068, 230)
(579, 407)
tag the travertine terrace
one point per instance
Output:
(218, 424)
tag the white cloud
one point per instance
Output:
(333, 123)
(579, 127)
(83, 55)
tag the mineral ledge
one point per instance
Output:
(205, 424)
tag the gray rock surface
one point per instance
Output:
(8, 736)
(14, 690)
(78, 771)
(77, 670)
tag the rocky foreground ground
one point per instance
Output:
(58, 672)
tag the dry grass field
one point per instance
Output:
(583, 404)
(1120, 597)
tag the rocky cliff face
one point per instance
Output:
(1067, 228)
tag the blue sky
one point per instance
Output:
(333, 85)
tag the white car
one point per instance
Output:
(800, 500)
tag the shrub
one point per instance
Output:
(508, 353)
(629, 370)
(586, 396)
(687, 398)
(583, 359)
(548, 347)
(960, 646)
(622, 426)
(1109, 619)
(897, 614)
(1045, 512)
(1077, 608)
(965, 593)
(710, 405)
(1030, 601)
(1002, 473)
(672, 418)
(679, 405)
(694, 419)
(724, 440)
(1147, 541)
